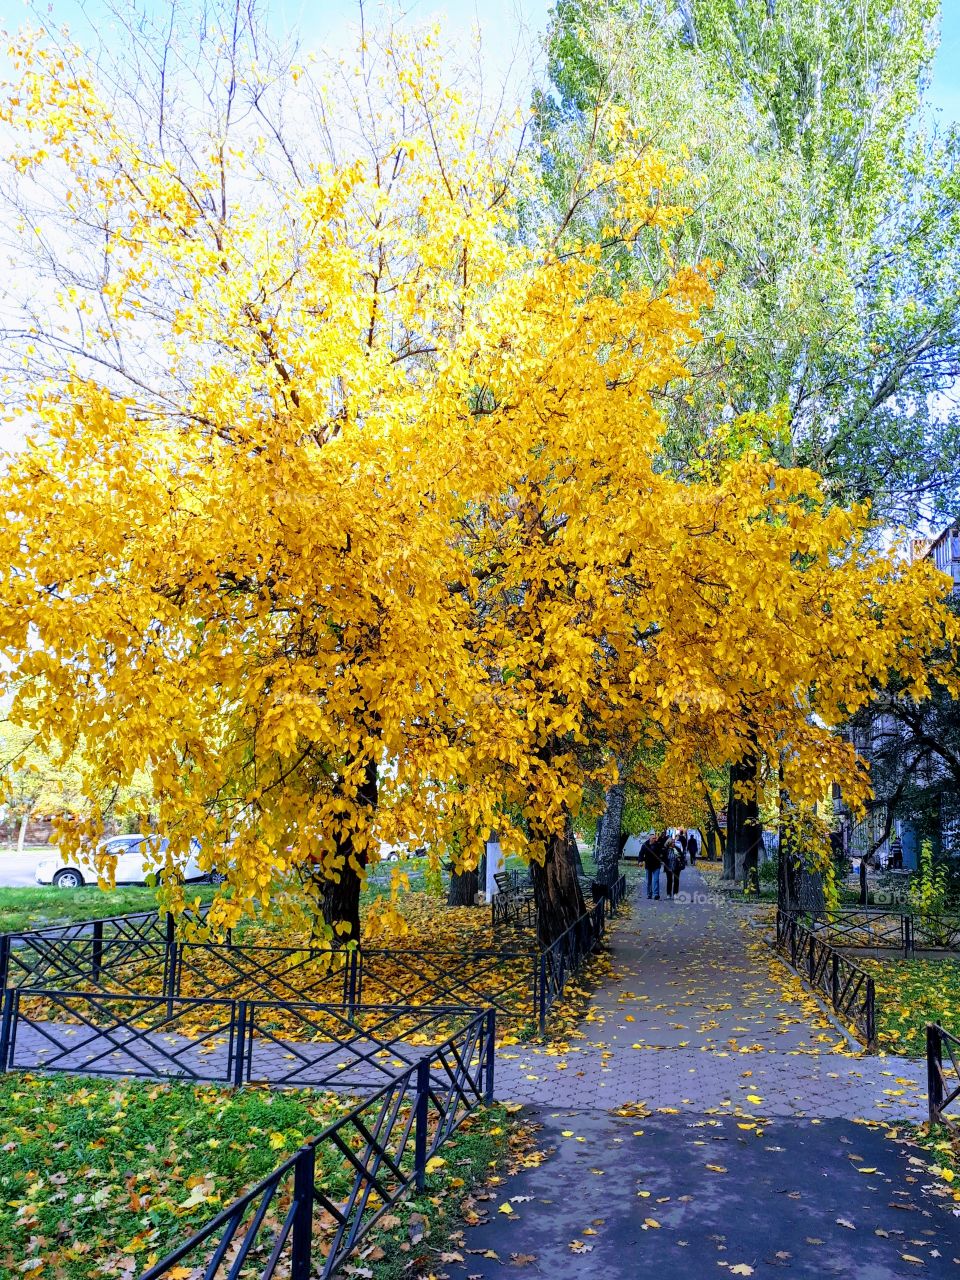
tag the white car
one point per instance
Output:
(134, 863)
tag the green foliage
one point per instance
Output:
(928, 892)
(768, 872)
(835, 212)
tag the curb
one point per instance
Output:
(825, 1009)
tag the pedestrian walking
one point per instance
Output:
(673, 861)
(896, 854)
(693, 846)
(651, 851)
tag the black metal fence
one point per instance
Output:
(943, 1085)
(869, 928)
(286, 1044)
(132, 974)
(566, 956)
(848, 987)
(308, 1215)
(866, 928)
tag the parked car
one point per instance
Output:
(134, 863)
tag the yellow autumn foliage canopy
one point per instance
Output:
(357, 529)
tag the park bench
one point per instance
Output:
(513, 903)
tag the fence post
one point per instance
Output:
(908, 935)
(934, 1072)
(6, 1025)
(96, 953)
(169, 962)
(491, 1054)
(835, 978)
(350, 992)
(239, 1043)
(871, 1015)
(811, 963)
(4, 960)
(540, 978)
(421, 1118)
(301, 1232)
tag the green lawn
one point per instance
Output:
(99, 1177)
(32, 908)
(911, 993)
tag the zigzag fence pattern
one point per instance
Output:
(305, 1219)
(848, 987)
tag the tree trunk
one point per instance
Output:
(743, 824)
(608, 846)
(22, 835)
(715, 834)
(556, 890)
(574, 849)
(711, 843)
(788, 869)
(340, 899)
(730, 843)
(464, 887)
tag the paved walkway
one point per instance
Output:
(699, 1013)
(708, 1119)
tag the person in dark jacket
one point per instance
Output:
(673, 860)
(693, 846)
(651, 851)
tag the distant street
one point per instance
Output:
(16, 869)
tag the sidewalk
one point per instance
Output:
(708, 1120)
(699, 1014)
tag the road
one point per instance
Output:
(16, 869)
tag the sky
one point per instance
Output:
(510, 32)
(509, 29)
(945, 87)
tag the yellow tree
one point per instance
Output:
(227, 553)
(344, 520)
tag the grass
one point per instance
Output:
(911, 993)
(398, 1249)
(34, 908)
(96, 1171)
(99, 1178)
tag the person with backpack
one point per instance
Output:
(651, 851)
(673, 860)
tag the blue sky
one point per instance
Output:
(945, 90)
(509, 29)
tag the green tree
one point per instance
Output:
(834, 211)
